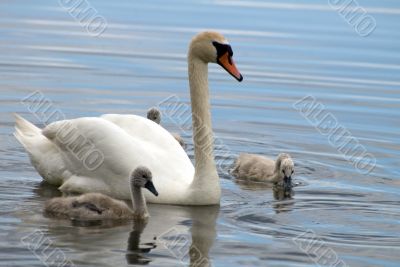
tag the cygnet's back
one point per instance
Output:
(96, 206)
(254, 167)
(90, 206)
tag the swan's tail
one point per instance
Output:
(43, 154)
(25, 131)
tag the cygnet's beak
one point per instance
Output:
(150, 186)
(287, 182)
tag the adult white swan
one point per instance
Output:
(99, 154)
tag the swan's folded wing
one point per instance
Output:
(155, 138)
(99, 149)
(146, 130)
(91, 146)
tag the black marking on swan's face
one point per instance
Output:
(222, 49)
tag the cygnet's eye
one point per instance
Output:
(283, 171)
(292, 172)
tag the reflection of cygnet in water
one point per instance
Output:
(154, 114)
(281, 193)
(135, 251)
(96, 206)
(261, 169)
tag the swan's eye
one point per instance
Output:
(283, 171)
(222, 49)
(292, 172)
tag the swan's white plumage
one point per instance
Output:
(125, 141)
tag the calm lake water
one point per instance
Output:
(286, 50)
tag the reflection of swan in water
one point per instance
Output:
(106, 241)
(203, 234)
(187, 247)
(190, 246)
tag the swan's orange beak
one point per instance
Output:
(228, 64)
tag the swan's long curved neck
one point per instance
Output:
(206, 176)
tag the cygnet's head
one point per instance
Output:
(142, 177)
(286, 169)
(212, 47)
(154, 114)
